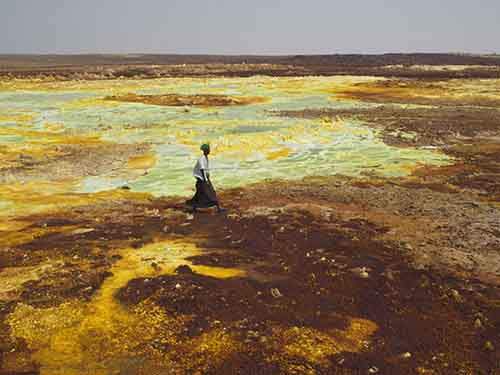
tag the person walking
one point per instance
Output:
(205, 195)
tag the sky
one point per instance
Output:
(249, 27)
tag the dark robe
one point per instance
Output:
(205, 195)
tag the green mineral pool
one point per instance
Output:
(250, 142)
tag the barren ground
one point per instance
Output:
(325, 275)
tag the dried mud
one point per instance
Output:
(339, 276)
(68, 161)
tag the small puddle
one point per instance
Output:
(102, 337)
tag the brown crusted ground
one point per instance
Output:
(431, 126)
(68, 160)
(420, 91)
(187, 100)
(308, 239)
(469, 134)
(153, 66)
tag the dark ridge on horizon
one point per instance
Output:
(13, 60)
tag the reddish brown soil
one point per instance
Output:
(152, 66)
(307, 239)
(177, 100)
(471, 135)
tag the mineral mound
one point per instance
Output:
(187, 100)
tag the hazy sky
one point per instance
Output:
(249, 27)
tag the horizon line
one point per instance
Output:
(244, 54)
